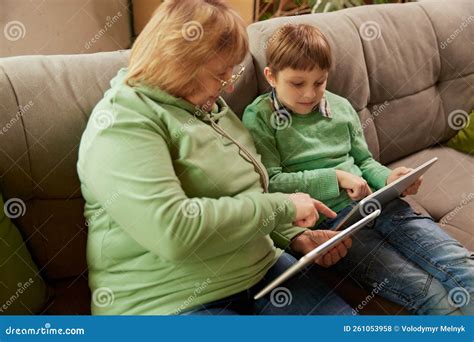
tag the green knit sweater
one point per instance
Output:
(176, 216)
(304, 153)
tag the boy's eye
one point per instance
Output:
(297, 85)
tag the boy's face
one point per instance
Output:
(299, 90)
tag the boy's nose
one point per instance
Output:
(310, 94)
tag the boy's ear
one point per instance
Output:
(269, 76)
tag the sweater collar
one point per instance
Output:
(323, 106)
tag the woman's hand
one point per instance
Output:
(401, 171)
(356, 187)
(311, 239)
(307, 210)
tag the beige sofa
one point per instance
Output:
(405, 68)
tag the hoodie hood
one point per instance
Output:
(219, 109)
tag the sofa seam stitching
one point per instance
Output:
(22, 121)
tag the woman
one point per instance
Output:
(178, 211)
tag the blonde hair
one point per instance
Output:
(182, 36)
(299, 47)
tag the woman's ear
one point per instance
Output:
(269, 76)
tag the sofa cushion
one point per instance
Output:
(22, 290)
(447, 191)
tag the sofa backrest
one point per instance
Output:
(64, 27)
(45, 104)
(404, 68)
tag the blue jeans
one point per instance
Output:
(304, 294)
(410, 260)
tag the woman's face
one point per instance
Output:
(210, 82)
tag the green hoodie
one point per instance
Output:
(177, 216)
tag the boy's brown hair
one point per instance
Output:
(299, 47)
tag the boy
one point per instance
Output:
(312, 141)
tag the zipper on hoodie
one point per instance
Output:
(246, 154)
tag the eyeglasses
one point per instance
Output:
(233, 79)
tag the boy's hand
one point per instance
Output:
(356, 187)
(311, 239)
(399, 172)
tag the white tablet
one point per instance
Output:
(383, 196)
(315, 253)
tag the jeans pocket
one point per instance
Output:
(400, 210)
(411, 230)
(406, 213)
(420, 232)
